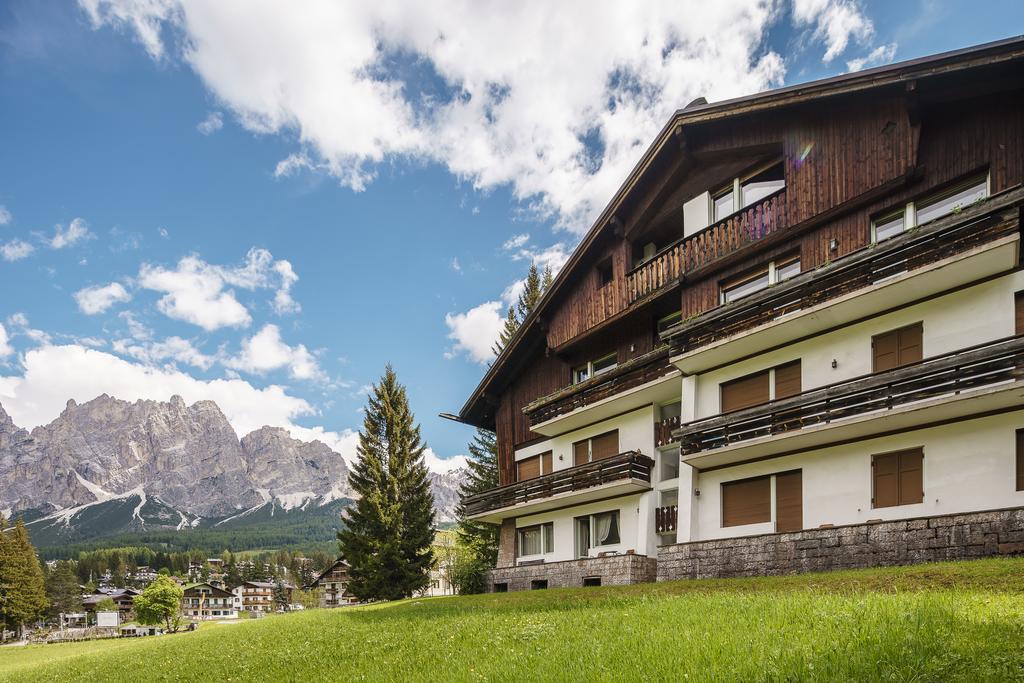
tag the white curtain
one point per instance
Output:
(604, 528)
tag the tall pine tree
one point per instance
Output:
(22, 587)
(389, 529)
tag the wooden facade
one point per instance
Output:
(852, 151)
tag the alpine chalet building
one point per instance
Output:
(791, 341)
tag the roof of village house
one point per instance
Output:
(337, 562)
(700, 111)
(218, 592)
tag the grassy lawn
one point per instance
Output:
(954, 621)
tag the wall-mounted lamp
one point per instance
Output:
(833, 244)
(696, 492)
(561, 457)
(835, 364)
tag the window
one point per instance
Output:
(669, 320)
(538, 584)
(501, 587)
(670, 463)
(747, 501)
(537, 539)
(533, 467)
(897, 348)
(1020, 459)
(605, 272)
(930, 207)
(596, 448)
(594, 368)
(897, 478)
(760, 387)
(589, 581)
(746, 190)
(594, 531)
(771, 273)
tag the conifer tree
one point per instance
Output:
(22, 587)
(532, 291)
(507, 331)
(389, 529)
(482, 475)
(62, 589)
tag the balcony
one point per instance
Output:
(665, 519)
(955, 250)
(983, 379)
(620, 474)
(634, 384)
(663, 431)
(710, 244)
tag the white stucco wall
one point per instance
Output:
(971, 316)
(633, 527)
(968, 466)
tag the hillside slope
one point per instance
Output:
(952, 621)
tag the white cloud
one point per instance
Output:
(515, 95)
(163, 233)
(16, 250)
(441, 465)
(97, 299)
(77, 231)
(136, 329)
(5, 215)
(171, 349)
(455, 265)
(213, 122)
(475, 331)
(5, 347)
(883, 54)
(835, 23)
(194, 292)
(516, 242)
(283, 301)
(18, 324)
(265, 351)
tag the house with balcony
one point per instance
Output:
(791, 341)
(203, 601)
(258, 596)
(333, 585)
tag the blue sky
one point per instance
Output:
(240, 202)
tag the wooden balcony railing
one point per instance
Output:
(665, 519)
(986, 365)
(981, 223)
(618, 468)
(633, 373)
(663, 431)
(719, 239)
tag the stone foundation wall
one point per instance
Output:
(874, 544)
(613, 570)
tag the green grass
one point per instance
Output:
(953, 621)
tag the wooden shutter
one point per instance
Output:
(789, 501)
(581, 452)
(787, 380)
(746, 391)
(898, 478)
(1020, 459)
(528, 468)
(897, 348)
(604, 446)
(545, 463)
(1018, 309)
(748, 501)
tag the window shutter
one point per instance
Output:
(528, 468)
(911, 479)
(747, 501)
(545, 463)
(886, 489)
(581, 452)
(789, 501)
(1020, 459)
(787, 380)
(885, 351)
(745, 392)
(1018, 306)
(604, 446)
(910, 344)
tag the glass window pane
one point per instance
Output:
(529, 541)
(582, 536)
(670, 465)
(606, 528)
(604, 364)
(580, 374)
(754, 284)
(787, 270)
(549, 537)
(757, 187)
(889, 226)
(929, 210)
(724, 204)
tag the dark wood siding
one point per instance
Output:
(787, 380)
(1020, 459)
(789, 501)
(1018, 313)
(746, 391)
(897, 348)
(748, 501)
(898, 478)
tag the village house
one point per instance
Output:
(203, 601)
(791, 341)
(122, 597)
(258, 596)
(333, 585)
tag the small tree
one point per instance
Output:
(22, 587)
(106, 605)
(62, 589)
(480, 539)
(280, 596)
(160, 602)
